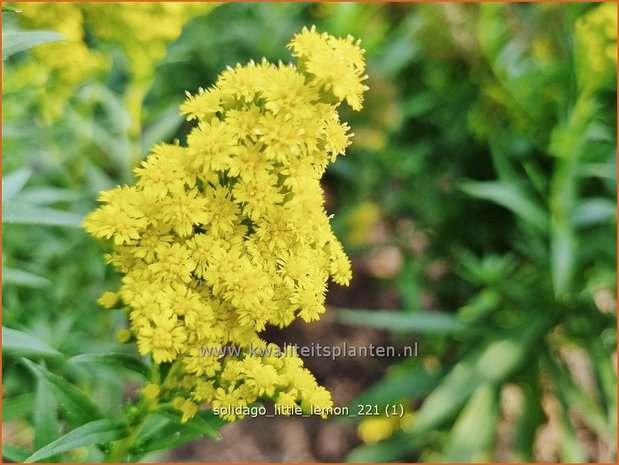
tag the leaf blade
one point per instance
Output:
(14, 213)
(22, 343)
(511, 197)
(15, 277)
(418, 322)
(17, 41)
(72, 400)
(118, 359)
(14, 182)
(95, 432)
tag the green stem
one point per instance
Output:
(134, 98)
(119, 453)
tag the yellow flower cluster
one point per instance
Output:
(596, 46)
(142, 29)
(229, 234)
(55, 69)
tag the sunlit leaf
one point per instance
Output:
(21, 343)
(18, 41)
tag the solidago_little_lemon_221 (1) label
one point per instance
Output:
(228, 234)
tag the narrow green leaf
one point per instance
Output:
(500, 157)
(445, 400)
(46, 425)
(165, 126)
(15, 277)
(409, 383)
(10, 9)
(569, 447)
(170, 436)
(95, 432)
(78, 408)
(509, 196)
(563, 247)
(121, 360)
(606, 372)
(570, 450)
(594, 211)
(20, 343)
(402, 322)
(529, 420)
(15, 454)
(47, 195)
(14, 182)
(592, 413)
(17, 406)
(492, 363)
(205, 422)
(18, 41)
(13, 213)
(472, 435)
(165, 431)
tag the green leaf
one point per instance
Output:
(493, 363)
(14, 213)
(606, 373)
(47, 195)
(21, 343)
(402, 322)
(14, 182)
(17, 406)
(169, 436)
(18, 41)
(165, 126)
(46, 425)
(95, 432)
(205, 422)
(15, 454)
(15, 277)
(10, 9)
(594, 211)
(121, 360)
(577, 399)
(530, 418)
(509, 196)
(78, 408)
(166, 435)
(563, 246)
(405, 384)
(471, 437)
(449, 395)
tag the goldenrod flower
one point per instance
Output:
(55, 70)
(229, 234)
(141, 30)
(596, 46)
(108, 299)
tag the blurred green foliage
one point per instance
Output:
(484, 167)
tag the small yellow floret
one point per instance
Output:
(151, 391)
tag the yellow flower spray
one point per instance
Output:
(141, 30)
(224, 236)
